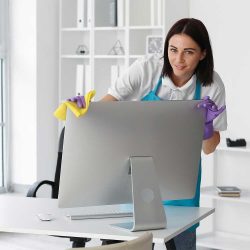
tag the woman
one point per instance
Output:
(185, 72)
(187, 58)
(187, 63)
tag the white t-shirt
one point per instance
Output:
(143, 75)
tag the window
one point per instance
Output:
(2, 124)
(3, 85)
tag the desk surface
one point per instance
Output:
(19, 214)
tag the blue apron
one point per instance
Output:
(195, 201)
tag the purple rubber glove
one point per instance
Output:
(79, 100)
(211, 112)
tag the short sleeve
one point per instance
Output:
(218, 95)
(128, 83)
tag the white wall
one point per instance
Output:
(23, 91)
(228, 24)
(175, 10)
(47, 86)
(33, 89)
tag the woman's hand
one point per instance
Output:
(211, 112)
(79, 100)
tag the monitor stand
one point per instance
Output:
(147, 203)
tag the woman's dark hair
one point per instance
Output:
(198, 32)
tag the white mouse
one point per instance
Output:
(45, 216)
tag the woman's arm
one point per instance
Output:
(210, 144)
(108, 98)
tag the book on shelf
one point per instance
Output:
(152, 14)
(82, 13)
(79, 79)
(156, 12)
(88, 81)
(83, 79)
(228, 191)
(120, 13)
(88, 15)
(159, 12)
(105, 13)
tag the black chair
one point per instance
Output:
(32, 192)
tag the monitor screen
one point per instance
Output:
(98, 147)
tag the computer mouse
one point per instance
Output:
(45, 216)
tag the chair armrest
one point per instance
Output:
(34, 187)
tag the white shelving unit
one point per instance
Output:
(80, 25)
(137, 19)
(228, 228)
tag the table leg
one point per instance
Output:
(78, 242)
(109, 242)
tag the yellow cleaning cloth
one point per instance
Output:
(61, 111)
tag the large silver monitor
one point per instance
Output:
(98, 148)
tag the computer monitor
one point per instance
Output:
(99, 148)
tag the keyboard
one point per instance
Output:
(93, 215)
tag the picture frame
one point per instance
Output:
(154, 45)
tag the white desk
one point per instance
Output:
(18, 214)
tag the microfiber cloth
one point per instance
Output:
(61, 111)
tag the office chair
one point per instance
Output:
(144, 242)
(32, 192)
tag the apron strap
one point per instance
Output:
(155, 90)
(197, 94)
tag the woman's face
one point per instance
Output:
(184, 55)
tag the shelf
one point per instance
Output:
(223, 241)
(109, 28)
(109, 56)
(211, 192)
(84, 23)
(75, 56)
(136, 56)
(223, 147)
(75, 29)
(146, 27)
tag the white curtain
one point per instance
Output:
(3, 27)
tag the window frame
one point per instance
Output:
(4, 97)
